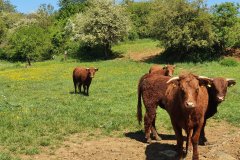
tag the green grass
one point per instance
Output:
(38, 108)
(142, 45)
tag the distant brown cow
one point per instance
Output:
(186, 104)
(151, 88)
(83, 76)
(217, 92)
(167, 70)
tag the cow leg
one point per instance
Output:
(179, 136)
(75, 87)
(148, 121)
(84, 88)
(79, 87)
(189, 143)
(195, 139)
(154, 130)
(147, 127)
(87, 89)
(203, 140)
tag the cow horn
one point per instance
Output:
(172, 79)
(204, 77)
(231, 82)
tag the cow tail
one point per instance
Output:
(139, 105)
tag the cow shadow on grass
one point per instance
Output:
(78, 93)
(140, 136)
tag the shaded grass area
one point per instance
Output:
(38, 107)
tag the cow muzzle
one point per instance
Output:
(220, 98)
(190, 105)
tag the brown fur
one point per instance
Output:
(217, 92)
(167, 70)
(151, 88)
(186, 103)
(83, 76)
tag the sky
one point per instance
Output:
(28, 6)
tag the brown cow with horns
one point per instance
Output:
(83, 76)
(186, 104)
(217, 91)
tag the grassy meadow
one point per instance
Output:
(39, 109)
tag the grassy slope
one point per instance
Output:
(37, 107)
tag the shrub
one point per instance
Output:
(230, 62)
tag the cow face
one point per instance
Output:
(189, 89)
(169, 69)
(220, 86)
(91, 71)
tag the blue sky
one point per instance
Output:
(28, 6)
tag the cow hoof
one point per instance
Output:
(206, 143)
(149, 141)
(158, 138)
(203, 142)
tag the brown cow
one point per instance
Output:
(83, 76)
(151, 88)
(167, 70)
(186, 104)
(217, 92)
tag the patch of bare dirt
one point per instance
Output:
(224, 144)
(142, 56)
(234, 52)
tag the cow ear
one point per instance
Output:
(205, 81)
(231, 82)
(96, 69)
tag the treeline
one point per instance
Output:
(188, 29)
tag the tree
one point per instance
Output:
(139, 13)
(70, 7)
(102, 24)
(6, 6)
(44, 15)
(3, 30)
(65, 3)
(183, 27)
(226, 23)
(30, 43)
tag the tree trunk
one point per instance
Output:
(29, 61)
(107, 49)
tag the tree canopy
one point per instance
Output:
(186, 29)
(226, 23)
(102, 24)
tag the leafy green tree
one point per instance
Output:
(103, 24)
(3, 30)
(183, 27)
(44, 15)
(139, 13)
(70, 7)
(226, 22)
(65, 3)
(30, 43)
(6, 6)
